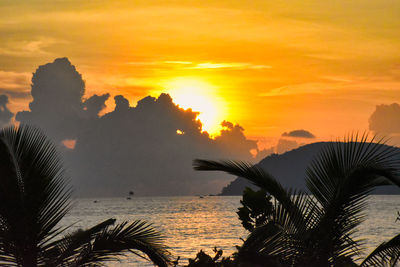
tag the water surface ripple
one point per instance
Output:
(191, 223)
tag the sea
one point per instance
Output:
(193, 223)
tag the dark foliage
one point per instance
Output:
(256, 209)
(35, 196)
(317, 228)
(204, 260)
(386, 254)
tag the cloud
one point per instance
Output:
(15, 84)
(121, 103)
(232, 140)
(299, 133)
(385, 119)
(144, 63)
(285, 145)
(230, 65)
(261, 154)
(33, 47)
(201, 65)
(95, 104)
(132, 147)
(57, 91)
(298, 89)
(5, 113)
(178, 62)
(149, 149)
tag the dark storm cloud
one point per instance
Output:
(299, 133)
(130, 148)
(5, 113)
(385, 119)
(95, 104)
(57, 90)
(138, 148)
(121, 103)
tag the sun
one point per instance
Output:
(201, 97)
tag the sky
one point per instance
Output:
(274, 67)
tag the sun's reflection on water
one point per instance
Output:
(191, 223)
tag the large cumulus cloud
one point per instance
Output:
(57, 91)
(147, 148)
(385, 119)
(138, 148)
(58, 105)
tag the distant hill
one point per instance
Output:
(289, 168)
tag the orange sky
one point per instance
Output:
(271, 66)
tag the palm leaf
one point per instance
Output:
(34, 195)
(318, 230)
(291, 209)
(259, 177)
(65, 250)
(386, 254)
(340, 179)
(109, 244)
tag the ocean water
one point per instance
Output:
(191, 223)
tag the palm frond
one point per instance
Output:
(341, 178)
(291, 209)
(261, 245)
(33, 192)
(65, 250)
(248, 171)
(342, 162)
(109, 244)
(34, 197)
(259, 177)
(318, 229)
(386, 254)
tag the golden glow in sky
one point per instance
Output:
(200, 96)
(272, 66)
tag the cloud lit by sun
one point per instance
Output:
(200, 96)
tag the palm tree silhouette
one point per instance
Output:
(317, 228)
(35, 196)
(386, 254)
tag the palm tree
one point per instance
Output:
(316, 228)
(35, 196)
(386, 254)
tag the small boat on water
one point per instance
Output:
(131, 193)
